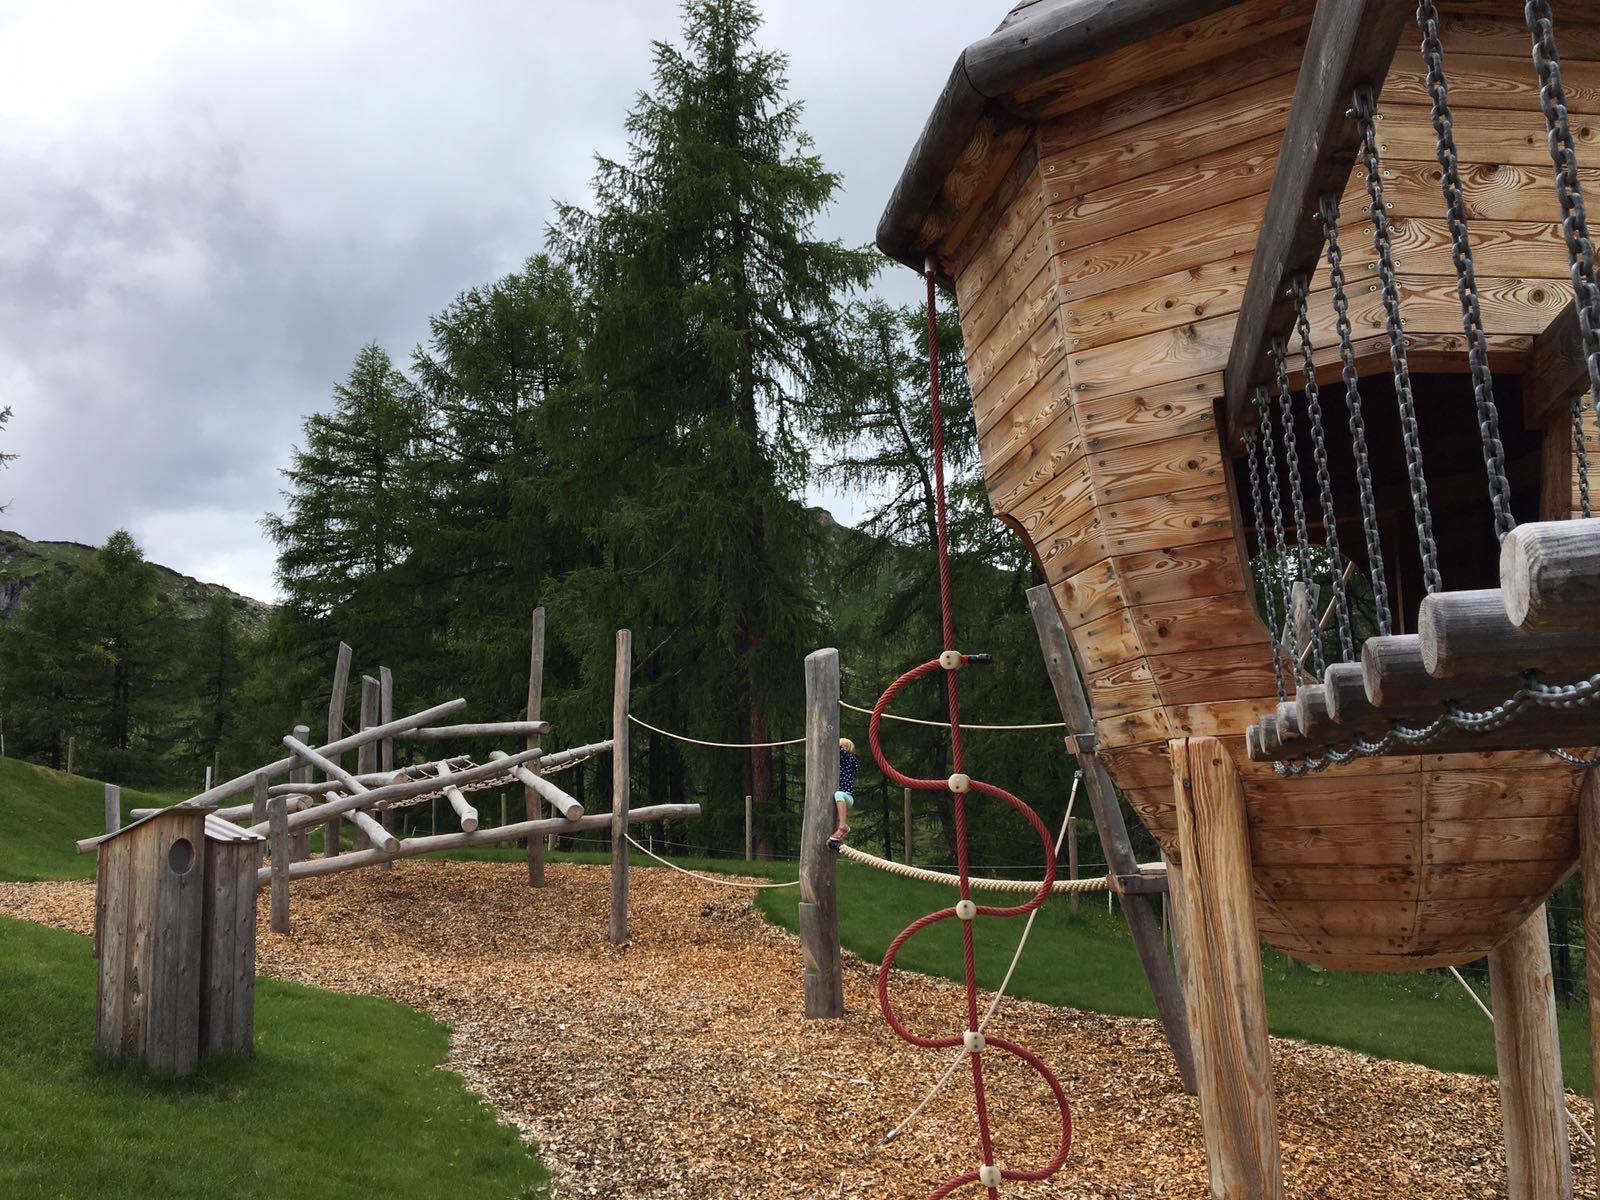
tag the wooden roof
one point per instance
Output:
(994, 91)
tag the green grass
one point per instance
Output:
(343, 1097)
(43, 812)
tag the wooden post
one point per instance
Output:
(906, 853)
(72, 746)
(386, 747)
(621, 782)
(300, 839)
(1528, 1049)
(819, 906)
(1072, 861)
(1117, 847)
(1222, 960)
(749, 828)
(258, 800)
(1589, 865)
(334, 829)
(113, 808)
(530, 798)
(278, 844)
(367, 756)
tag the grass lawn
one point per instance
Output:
(344, 1097)
(42, 812)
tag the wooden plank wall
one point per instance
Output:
(1098, 294)
(227, 1013)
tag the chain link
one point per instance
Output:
(1319, 445)
(1574, 222)
(1494, 451)
(1281, 548)
(1297, 495)
(1328, 209)
(1390, 287)
(1250, 447)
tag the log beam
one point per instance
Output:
(823, 978)
(481, 729)
(530, 794)
(1222, 968)
(566, 805)
(1470, 633)
(1350, 45)
(621, 786)
(1528, 1049)
(1550, 576)
(464, 811)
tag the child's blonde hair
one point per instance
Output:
(847, 744)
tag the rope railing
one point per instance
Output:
(978, 883)
(733, 883)
(800, 741)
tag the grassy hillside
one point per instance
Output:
(43, 812)
(23, 562)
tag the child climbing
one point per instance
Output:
(845, 796)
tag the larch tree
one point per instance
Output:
(712, 301)
(217, 664)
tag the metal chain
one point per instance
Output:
(1494, 451)
(1297, 495)
(1574, 222)
(1270, 464)
(1329, 211)
(1261, 540)
(1319, 445)
(1383, 241)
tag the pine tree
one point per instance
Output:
(712, 301)
(40, 658)
(216, 672)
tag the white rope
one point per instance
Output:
(978, 884)
(983, 1025)
(733, 883)
(946, 724)
(1484, 1009)
(678, 737)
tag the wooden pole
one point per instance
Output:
(386, 747)
(621, 782)
(72, 746)
(530, 797)
(1222, 957)
(749, 828)
(258, 801)
(278, 844)
(1143, 925)
(1528, 1049)
(823, 979)
(300, 839)
(1072, 860)
(906, 835)
(334, 830)
(113, 808)
(367, 756)
(1589, 865)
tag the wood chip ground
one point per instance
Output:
(680, 1066)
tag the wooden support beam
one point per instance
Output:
(1470, 633)
(1350, 45)
(1144, 925)
(1532, 728)
(278, 846)
(1556, 373)
(1550, 575)
(562, 803)
(1528, 1048)
(373, 834)
(333, 832)
(823, 978)
(386, 747)
(1222, 961)
(481, 729)
(367, 756)
(530, 794)
(464, 811)
(411, 847)
(1400, 688)
(299, 839)
(621, 785)
(1589, 870)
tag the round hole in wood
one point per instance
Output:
(180, 857)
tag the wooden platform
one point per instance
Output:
(1099, 262)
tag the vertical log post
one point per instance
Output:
(386, 747)
(1527, 1048)
(819, 906)
(906, 854)
(621, 782)
(530, 798)
(1226, 1001)
(333, 831)
(1143, 926)
(1589, 866)
(367, 756)
(300, 839)
(749, 828)
(278, 845)
(72, 747)
(113, 808)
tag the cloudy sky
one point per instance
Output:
(206, 209)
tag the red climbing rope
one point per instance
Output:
(959, 798)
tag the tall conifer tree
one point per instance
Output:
(712, 301)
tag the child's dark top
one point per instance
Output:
(847, 772)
